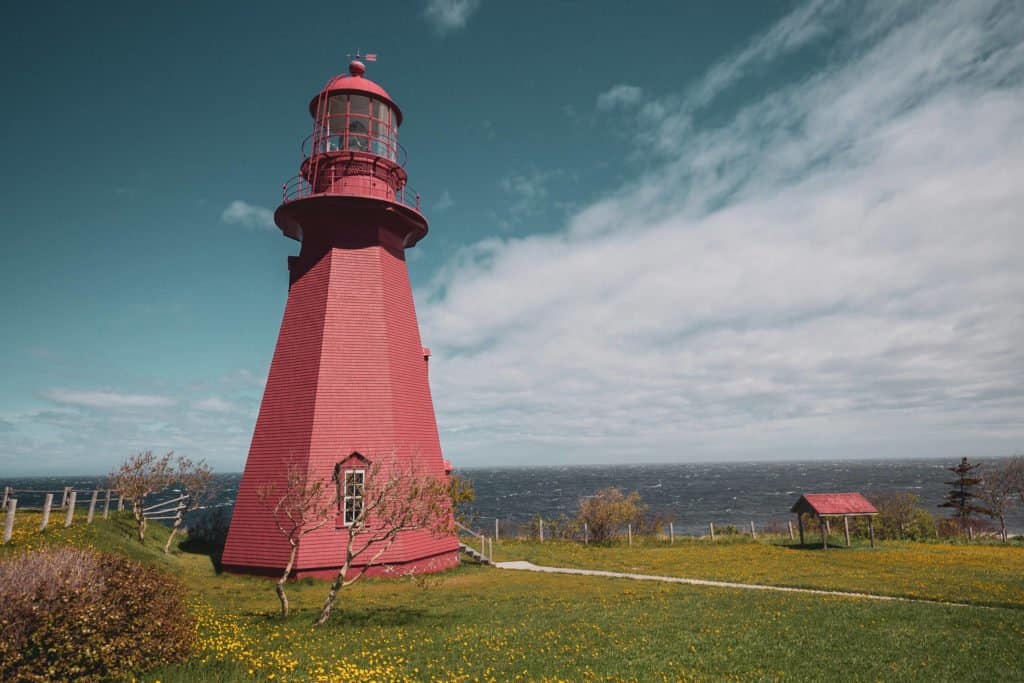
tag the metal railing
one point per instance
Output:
(297, 187)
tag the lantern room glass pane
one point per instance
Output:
(358, 104)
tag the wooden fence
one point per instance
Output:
(91, 500)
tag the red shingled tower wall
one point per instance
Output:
(349, 372)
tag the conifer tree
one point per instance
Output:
(961, 499)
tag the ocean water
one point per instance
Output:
(692, 493)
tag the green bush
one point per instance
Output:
(75, 614)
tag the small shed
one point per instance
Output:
(826, 505)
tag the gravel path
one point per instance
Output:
(522, 565)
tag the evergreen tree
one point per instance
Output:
(961, 499)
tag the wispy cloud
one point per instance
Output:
(239, 212)
(106, 399)
(214, 404)
(445, 202)
(621, 95)
(833, 272)
(449, 15)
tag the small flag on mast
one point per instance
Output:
(372, 57)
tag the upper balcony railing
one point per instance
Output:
(300, 188)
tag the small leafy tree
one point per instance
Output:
(195, 480)
(998, 491)
(299, 507)
(139, 476)
(608, 511)
(394, 501)
(961, 499)
(901, 516)
(462, 494)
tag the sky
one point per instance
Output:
(667, 232)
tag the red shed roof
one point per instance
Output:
(834, 504)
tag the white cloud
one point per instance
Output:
(835, 272)
(621, 95)
(445, 202)
(106, 399)
(449, 15)
(214, 404)
(248, 215)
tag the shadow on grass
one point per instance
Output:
(201, 547)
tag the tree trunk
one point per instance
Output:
(339, 582)
(170, 538)
(140, 517)
(284, 579)
(1002, 527)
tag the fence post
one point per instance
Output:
(495, 528)
(671, 534)
(12, 505)
(92, 506)
(47, 504)
(64, 498)
(7, 496)
(711, 525)
(791, 537)
(70, 516)
(629, 532)
(120, 502)
(541, 519)
(970, 533)
(106, 505)
(586, 534)
(753, 534)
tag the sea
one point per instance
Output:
(691, 494)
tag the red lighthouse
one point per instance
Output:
(348, 381)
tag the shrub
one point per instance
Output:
(608, 511)
(900, 516)
(75, 614)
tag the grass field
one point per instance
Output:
(478, 623)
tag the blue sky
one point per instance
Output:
(663, 232)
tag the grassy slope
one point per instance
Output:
(480, 623)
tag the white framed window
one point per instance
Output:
(352, 502)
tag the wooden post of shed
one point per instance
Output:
(846, 529)
(12, 505)
(712, 526)
(106, 505)
(824, 533)
(871, 529)
(789, 523)
(47, 505)
(800, 523)
(70, 516)
(92, 506)
(828, 526)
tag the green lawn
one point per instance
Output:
(979, 574)
(479, 623)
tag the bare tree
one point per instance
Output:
(387, 502)
(139, 476)
(999, 489)
(196, 481)
(607, 511)
(300, 507)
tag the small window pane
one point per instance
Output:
(359, 105)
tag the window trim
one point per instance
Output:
(361, 497)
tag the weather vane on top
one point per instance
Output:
(370, 57)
